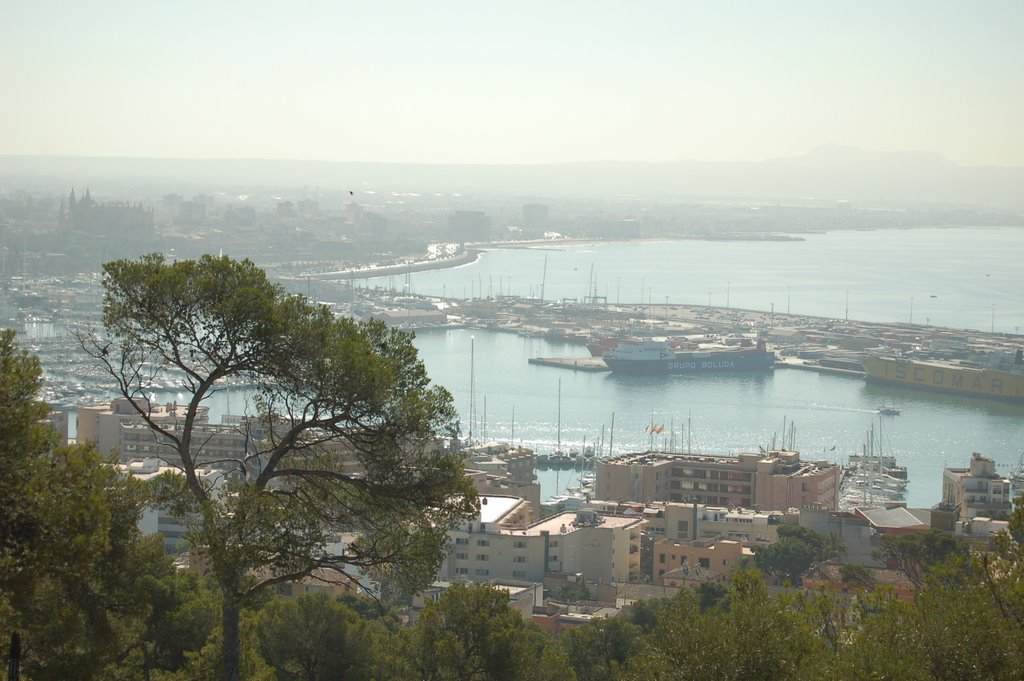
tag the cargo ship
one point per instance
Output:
(1003, 379)
(650, 357)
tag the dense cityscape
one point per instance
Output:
(632, 525)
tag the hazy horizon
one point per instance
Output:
(522, 84)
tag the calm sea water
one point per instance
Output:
(951, 277)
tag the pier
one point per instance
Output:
(592, 364)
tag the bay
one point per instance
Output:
(960, 278)
(945, 277)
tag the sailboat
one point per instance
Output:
(873, 477)
(560, 458)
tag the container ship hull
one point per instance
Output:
(694, 363)
(946, 378)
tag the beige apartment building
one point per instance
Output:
(716, 558)
(504, 542)
(118, 427)
(679, 521)
(101, 424)
(978, 491)
(775, 480)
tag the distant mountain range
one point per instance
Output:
(824, 174)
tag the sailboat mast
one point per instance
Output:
(689, 418)
(611, 435)
(472, 385)
(559, 415)
(543, 278)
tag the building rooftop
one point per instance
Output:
(565, 523)
(495, 507)
(891, 518)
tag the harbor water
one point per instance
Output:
(830, 415)
(960, 278)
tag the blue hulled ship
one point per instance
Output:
(650, 357)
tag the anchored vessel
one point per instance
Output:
(1002, 380)
(652, 357)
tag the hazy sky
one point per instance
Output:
(510, 82)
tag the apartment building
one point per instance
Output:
(977, 491)
(775, 480)
(504, 542)
(101, 424)
(504, 470)
(680, 521)
(119, 427)
(715, 557)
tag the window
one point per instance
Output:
(704, 562)
(483, 542)
(661, 558)
(552, 558)
(483, 572)
(683, 527)
(461, 556)
(519, 544)
(519, 559)
(462, 571)
(462, 541)
(519, 574)
(482, 557)
(554, 543)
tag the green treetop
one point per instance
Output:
(343, 441)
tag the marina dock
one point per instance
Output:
(574, 363)
(796, 363)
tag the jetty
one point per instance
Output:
(592, 364)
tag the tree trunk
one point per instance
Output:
(14, 658)
(232, 640)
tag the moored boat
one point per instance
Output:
(1003, 379)
(652, 357)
